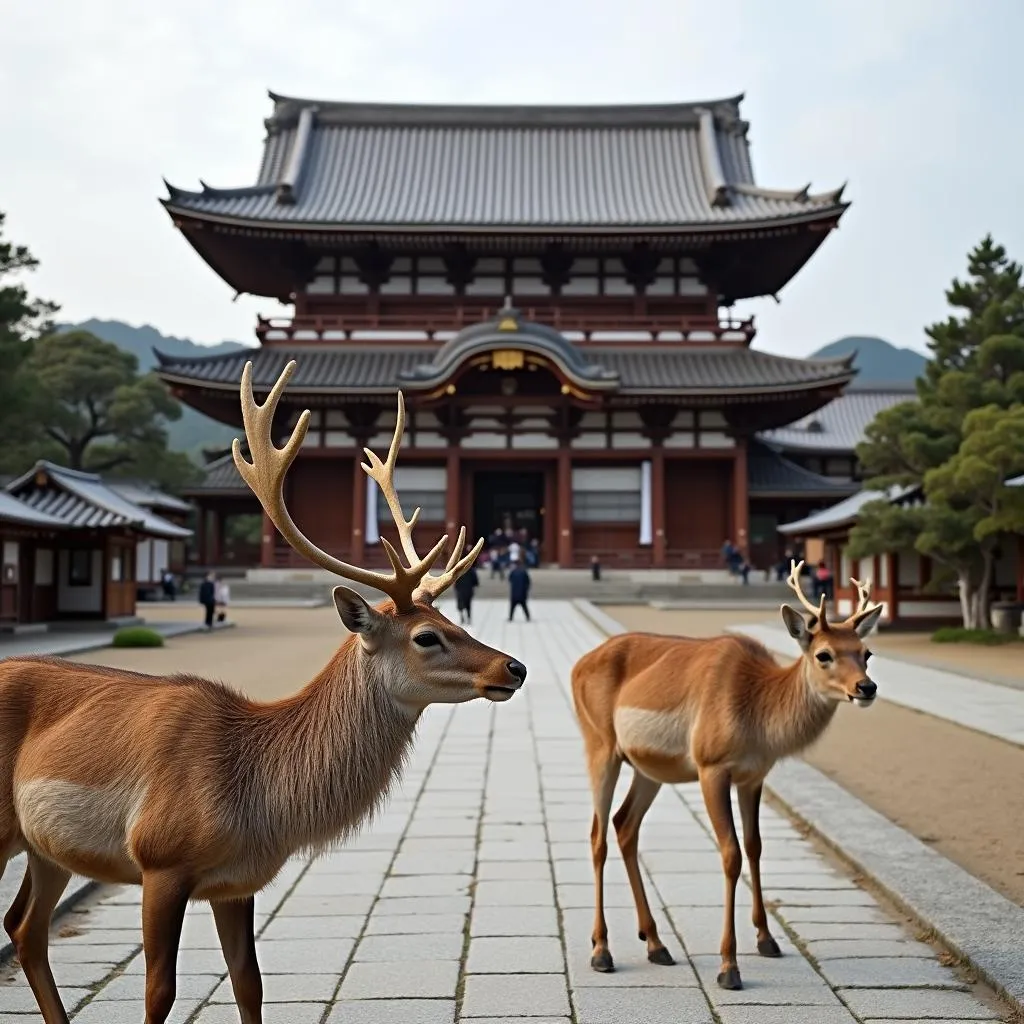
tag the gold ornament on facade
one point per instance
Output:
(507, 359)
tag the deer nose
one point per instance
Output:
(866, 689)
(517, 670)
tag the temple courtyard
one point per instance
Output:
(470, 896)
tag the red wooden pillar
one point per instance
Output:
(199, 540)
(564, 546)
(358, 552)
(216, 535)
(740, 499)
(453, 495)
(658, 506)
(893, 571)
(267, 537)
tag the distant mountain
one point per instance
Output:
(194, 431)
(879, 361)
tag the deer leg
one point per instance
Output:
(29, 930)
(627, 821)
(604, 773)
(236, 928)
(164, 902)
(715, 785)
(17, 909)
(750, 807)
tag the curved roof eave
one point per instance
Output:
(818, 214)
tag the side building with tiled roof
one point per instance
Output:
(546, 285)
(74, 546)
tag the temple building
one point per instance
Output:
(550, 287)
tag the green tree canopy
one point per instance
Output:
(98, 413)
(955, 439)
(22, 319)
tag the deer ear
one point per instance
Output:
(866, 621)
(796, 625)
(357, 615)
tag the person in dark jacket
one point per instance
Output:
(208, 597)
(464, 587)
(518, 590)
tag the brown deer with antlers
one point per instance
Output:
(720, 711)
(197, 793)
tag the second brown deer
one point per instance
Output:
(195, 792)
(718, 711)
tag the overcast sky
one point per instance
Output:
(916, 103)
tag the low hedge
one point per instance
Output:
(137, 636)
(986, 637)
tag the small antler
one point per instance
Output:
(265, 477)
(863, 594)
(794, 584)
(383, 474)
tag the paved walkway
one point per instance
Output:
(985, 707)
(469, 899)
(64, 642)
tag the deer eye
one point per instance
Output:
(427, 640)
(824, 658)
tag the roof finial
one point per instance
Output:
(507, 308)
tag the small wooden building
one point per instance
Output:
(78, 560)
(552, 289)
(24, 578)
(154, 555)
(902, 580)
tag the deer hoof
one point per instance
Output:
(602, 962)
(661, 956)
(730, 979)
(768, 947)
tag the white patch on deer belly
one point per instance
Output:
(63, 819)
(666, 733)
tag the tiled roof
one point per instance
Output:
(843, 513)
(140, 493)
(84, 500)
(640, 368)
(365, 165)
(221, 476)
(768, 473)
(840, 425)
(14, 511)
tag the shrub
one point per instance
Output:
(959, 635)
(137, 636)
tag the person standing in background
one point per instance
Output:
(208, 597)
(464, 587)
(221, 597)
(518, 590)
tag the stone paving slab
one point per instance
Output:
(469, 900)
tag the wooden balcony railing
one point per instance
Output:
(433, 320)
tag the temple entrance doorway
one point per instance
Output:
(509, 499)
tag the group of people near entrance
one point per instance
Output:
(506, 547)
(507, 550)
(739, 565)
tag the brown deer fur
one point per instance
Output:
(198, 793)
(717, 711)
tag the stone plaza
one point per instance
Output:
(470, 898)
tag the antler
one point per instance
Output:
(383, 473)
(864, 602)
(794, 584)
(863, 594)
(265, 477)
